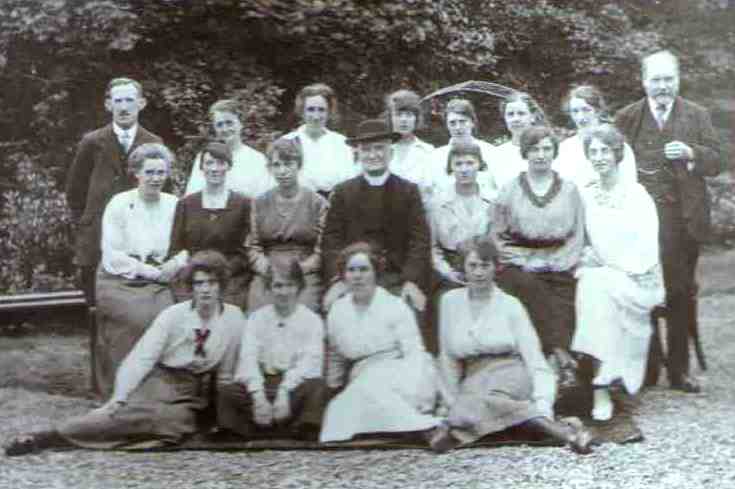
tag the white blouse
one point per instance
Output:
(248, 175)
(171, 341)
(132, 226)
(328, 160)
(412, 161)
(572, 164)
(503, 327)
(292, 346)
(386, 329)
(510, 164)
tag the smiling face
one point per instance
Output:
(541, 155)
(478, 272)
(359, 275)
(403, 121)
(459, 126)
(465, 168)
(316, 111)
(205, 289)
(661, 80)
(374, 156)
(214, 169)
(151, 176)
(226, 126)
(602, 158)
(124, 102)
(517, 117)
(583, 114)
(284, 169)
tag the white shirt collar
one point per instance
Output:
(377, 181)
(218, 201)
(652, 104)
(119, 131)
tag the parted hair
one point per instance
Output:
(609, 135)
(483, 246)
(377, 261)
(590, 94)
(218, 150)
(286, 146)
(116, 82)
(533, 135)
(290, 270)
(465, 149)
(149, 151)
(407, 100)
(463, 107)
(209, 261)
(539, 117)
(313, 90)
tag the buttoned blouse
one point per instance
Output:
(171, 341)
(501, 328)
(386, 329)
(547, 238)
(328, 160)
(248, 175)
(132, 227)
(292, 346)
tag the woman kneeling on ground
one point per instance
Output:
(495, 374)
(161, 385)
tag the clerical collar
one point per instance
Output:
(131, 131)
(377, 181)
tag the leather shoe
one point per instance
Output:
(686, 384)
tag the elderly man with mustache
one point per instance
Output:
(676, 147)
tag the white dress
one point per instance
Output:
(619, 282)
(328, 160)
(510, 163)
(392, 383)
(248, 175)
(572, 164)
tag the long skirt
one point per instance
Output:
(549, 299)
(311, 296)
(125, 309)
(384, 395)
(307, 402)
(162, 411)
(495, 394)
(613, 323)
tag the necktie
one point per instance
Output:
(200, 338)
(661, 115)
(125, 141)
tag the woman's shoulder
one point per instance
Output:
(308, 318)
(232, 313)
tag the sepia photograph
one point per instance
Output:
(367, 244)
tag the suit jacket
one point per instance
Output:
(407, 237)
(99, 171)
(691, 124)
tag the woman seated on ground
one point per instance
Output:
(587, 108)
(459, 213)
(278, 383)
(160, 387)
(461, 121)
(247, 174)
(539, 231)
(619, 277)
(286, 224)
(519, 112)
(327, 160)
(383, 378)
(132, 279)
(410, 154)
(215, 218)
(494, 372)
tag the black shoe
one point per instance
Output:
(686, 384)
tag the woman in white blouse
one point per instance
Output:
(327, 158)
(132, 279)
(377, 365)
(248, 173)
(278, 380)
(494, 371)
(519, 112)
(619, 277)
(160, 388)
(586, 107)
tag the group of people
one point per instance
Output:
(339, 287)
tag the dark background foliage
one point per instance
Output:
(56, 57)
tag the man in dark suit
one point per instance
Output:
(676, 147)
(384, 210)
(99, 171)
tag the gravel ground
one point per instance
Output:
(690, 439)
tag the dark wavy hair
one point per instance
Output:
(377, 261)
(218, 150)
(533, 135)
(539, 117)
(484, 247)
(594, 98)
(312, 91)
(286, 146)
(465, 149)
(291, 270)
(210, 261)
(407, 100)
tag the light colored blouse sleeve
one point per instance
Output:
(450, 367)
(628, 167)
(529, 347)
(441, 265)
(259, 262)
(196, 179)
(337, 364)
(407, 333)
(313, 262)
(248, 367)
(310, 356)
(143, 357)
(114, 258)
